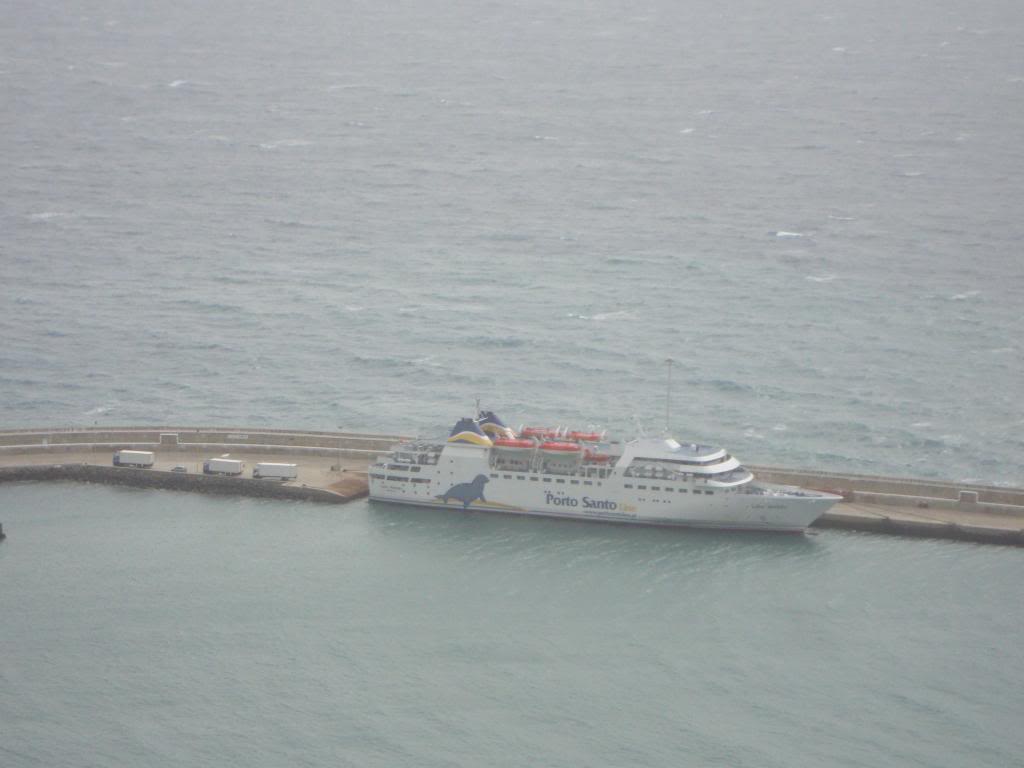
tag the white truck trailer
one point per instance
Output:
(143, 459)
(223, 467)
(270, 471)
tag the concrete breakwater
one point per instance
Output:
(333, 469)
(901, 491)
(351, 487)
(332, 465)
(276, 441)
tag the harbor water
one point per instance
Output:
(170, 629)
(368, 216)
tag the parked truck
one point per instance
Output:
(223, 467)
(142, 459)
(271, 471)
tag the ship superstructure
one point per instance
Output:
(552, 471)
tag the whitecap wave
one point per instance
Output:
(964, 296)
(620, 314)
(602, 316)
(177, 83)
(349, 86)
(783, 233)
(427, 361)
(285, 143)
(820, 278)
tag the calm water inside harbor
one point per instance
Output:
(368, 215)
(163, 628)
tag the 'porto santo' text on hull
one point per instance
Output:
(484, 465)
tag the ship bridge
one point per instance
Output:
(670, 459)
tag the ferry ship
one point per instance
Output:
(557, 472)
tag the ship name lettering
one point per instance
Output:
(590, 503)
(561, 500)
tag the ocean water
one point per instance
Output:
(369, 216)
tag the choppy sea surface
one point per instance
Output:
(369, 215)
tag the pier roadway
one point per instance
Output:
(332, 468)
(331, 465)
(323, 478)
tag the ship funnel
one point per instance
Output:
(468, 431)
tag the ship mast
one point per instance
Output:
(668, 396)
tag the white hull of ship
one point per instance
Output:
(470, 477)
(736, 511)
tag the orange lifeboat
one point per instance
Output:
(541, 432)
(560, 447)
(597, 458)
(585, 437)
(510, 444)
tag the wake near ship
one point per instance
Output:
(557, 472)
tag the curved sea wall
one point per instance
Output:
(276, 441)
